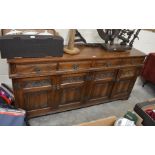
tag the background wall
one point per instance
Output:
(146, 43)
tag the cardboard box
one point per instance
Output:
(109, 121)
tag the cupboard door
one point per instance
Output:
(36, 93)
(101, 85)
(71, 89)
(125, 81)
(123, 88)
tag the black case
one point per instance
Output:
(31, 46)
(147, 120)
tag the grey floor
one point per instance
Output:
(117, 108)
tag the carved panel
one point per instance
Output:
(104, 75)
(72, 79)
(70, 95)
(101, 90)
(31, 84)
(36, 100)
(122, 87)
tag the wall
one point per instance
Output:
(145, 44)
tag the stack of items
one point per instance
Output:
(146, 110)
(129, 119)
(9, 115)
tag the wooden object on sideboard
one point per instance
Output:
(55, 84)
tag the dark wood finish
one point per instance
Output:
(54, 84)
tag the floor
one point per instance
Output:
(117, 108)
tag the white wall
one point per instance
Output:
(145, 44)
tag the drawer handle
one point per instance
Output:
(75, 66)
(58, 87)
(108, 64)
(37, 69)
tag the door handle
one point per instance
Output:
(56, 87)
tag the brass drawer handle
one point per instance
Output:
(37, 69)
(75, 66)
(108, 64)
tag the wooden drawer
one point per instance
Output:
(35, 68)
(108, 63)
(74, 65)
(132, 61)
(127, 73)
(105, 75)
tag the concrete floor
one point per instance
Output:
(117, 108)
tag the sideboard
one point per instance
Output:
(55, 84)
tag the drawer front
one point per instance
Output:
(35, 68)
(74, 65)
(127, 73)
(109, 75)
(108, 63)
(132, 61)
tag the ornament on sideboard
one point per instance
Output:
(124, 37)
(114, 39)
(70, 48)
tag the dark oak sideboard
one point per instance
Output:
(55, 84)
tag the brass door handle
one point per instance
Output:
(56, 87)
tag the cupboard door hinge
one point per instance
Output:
(16, 86)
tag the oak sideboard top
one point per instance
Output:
(86, 53)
